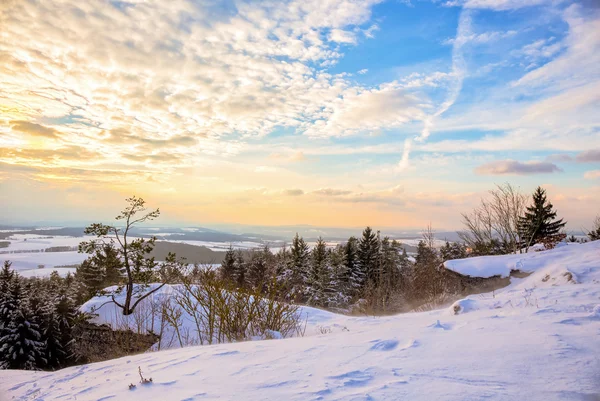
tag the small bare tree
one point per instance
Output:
(140, 268)
(496, 219)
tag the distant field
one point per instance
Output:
(192, 253)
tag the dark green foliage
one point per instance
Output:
(258, 266)
(37, 333)
(539, 221)
(21, 345)
(228, 268)
(367, 261)
(451, 251)
(318, 275)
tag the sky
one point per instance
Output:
(338, 113)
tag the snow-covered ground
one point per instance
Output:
(537, 339)
(565, 254)
(33, 242)
(27, 264)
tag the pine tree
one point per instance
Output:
(7, 304)
(317, 280)
(21, 346)
(351, 266)
(112, 265)
(539, 221)
(90, 278)
(20, 340)
(367, 257)
(298, 265)
(256, 275)
(240, 269)
(339, 286)
(55, 351)
(425, 279)
(228, 267)
(452, 251)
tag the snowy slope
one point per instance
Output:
(580, 256)
(538, 339)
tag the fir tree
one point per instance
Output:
(367, 258)
(351, 265)
(55, 351)
(298, 265)
(240, 269)
(228, 267)
(539, 221)
(451, 251)
(21, 346)
(425, 279)
(90, 278)
(7, 304)
(256, 276)
(317, 279)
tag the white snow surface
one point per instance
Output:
(537, 339)
(565, 255)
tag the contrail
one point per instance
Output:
(458, 73)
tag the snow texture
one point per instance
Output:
(583, 256)
(537, 339)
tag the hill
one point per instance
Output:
(537, 339)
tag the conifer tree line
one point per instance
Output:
(37, 318)
(369, 267)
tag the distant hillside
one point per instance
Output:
(192, 253)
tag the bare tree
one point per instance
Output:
(496, 219)
(140, 269)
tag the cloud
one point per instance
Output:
(331, 192)
(34, 129)
(591, 175)
(293, 192)
(288, 157)
(589, 156)
(217, 76)
(363, 71)
(367, 111)
(499, 5)
(559, 157)
(513, 167)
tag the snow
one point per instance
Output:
(583, 256)
(34, 242)
(31, 260)
(537, 339)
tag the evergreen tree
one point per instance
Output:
(351, 265)
(426, 279)
(240, 269)
(20, 345)
(339, 286)
(90, 279)
(7, 304)
(317, 279)
(451, 251)
(256, 275)
(539, 221)
(298, 266)
(228, 267)
(55, 351)
(367, 257)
